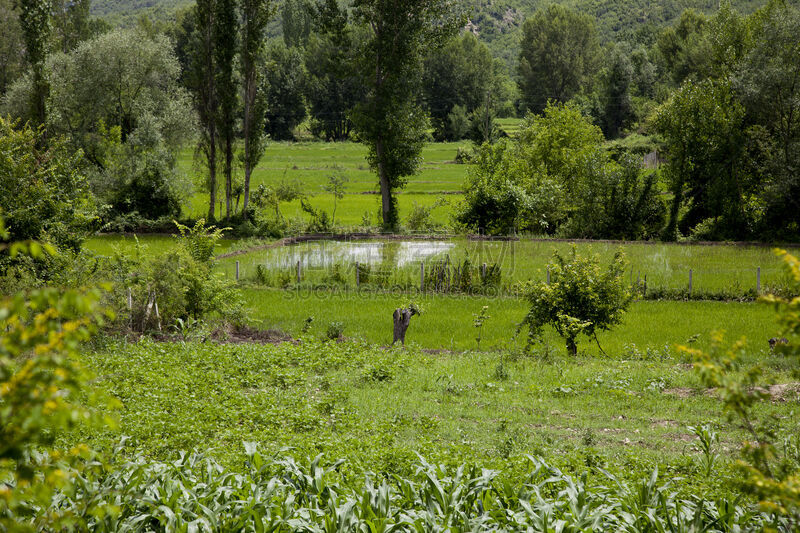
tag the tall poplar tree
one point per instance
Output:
(226, 29)
(203, 80)
(34, 17)
(255, 16)
(390, 122)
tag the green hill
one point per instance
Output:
(497, 22)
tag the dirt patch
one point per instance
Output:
(781, 392)
(244, 334)
(663, 424)
(681, 392)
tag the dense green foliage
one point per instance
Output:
(44, 194)
(558, 55)
(281, 495)
(39, 381)
(556, 177)
(334, 85)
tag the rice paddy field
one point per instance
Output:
(311, 163)
(717, 268)
(327, 292)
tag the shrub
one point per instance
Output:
(44, 195)
(581, 298)
(178, 284)
(334, 331)
(39, 379)
(420, 217)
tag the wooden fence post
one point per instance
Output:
(298, 272)
(447, 268)
(483, 272)
(758, 280)
(358, 281)
(421, 276)
(237, 270)
(548, 275)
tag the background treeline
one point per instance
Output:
(713, 99)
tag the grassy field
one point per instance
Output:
(311, 163)
(447, 322)
(379, 407)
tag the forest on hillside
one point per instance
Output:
(495, 22)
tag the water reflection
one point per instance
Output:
(323, 254)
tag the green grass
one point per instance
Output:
(510, 126)
(107, 245)
(447, 320)
(311, 163)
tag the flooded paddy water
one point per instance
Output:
(665, 266)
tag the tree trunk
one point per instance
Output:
(386, 191)
(212, 173)
(572, 346)
(402, 319)
(228, 174)
(249, 98)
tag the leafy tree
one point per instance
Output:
(201, 78)
(532, 182)
(767, 83)
(44, 196)
(71, 24)
(702, 126)
(117, 98)
(12, 45)
(117, 80)
(390, 122)
(226, 29)
(255, 16)
(685, 48)
(617, 201)
(616, 98)
(34, 16)
(334, 85)
(558, 55)
(581, 298)
(463, 73)
(296, 22)
(286, 107)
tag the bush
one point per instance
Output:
(334, 331)
(178, 284)
(44, 195)
(420, 217)
(39, 382)
(581, 298)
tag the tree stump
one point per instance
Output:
(402, 319)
